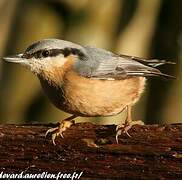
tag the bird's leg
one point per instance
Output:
(127, 124)
(63, 126)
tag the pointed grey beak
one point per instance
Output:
(15, 59)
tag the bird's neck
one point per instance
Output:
(54, 76)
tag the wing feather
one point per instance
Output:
(103, 64)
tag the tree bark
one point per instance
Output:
(152, 151)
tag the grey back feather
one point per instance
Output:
(102, 64)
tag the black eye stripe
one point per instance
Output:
(54, 52)
(74, 51)
(45, 53)
(66, 52)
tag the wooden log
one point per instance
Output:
(153, 151)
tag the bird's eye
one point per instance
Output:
(45, 53)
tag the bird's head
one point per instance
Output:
(49, 56)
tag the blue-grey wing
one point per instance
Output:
(102, 64)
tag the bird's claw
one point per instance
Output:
(58, 131)
(124, 128)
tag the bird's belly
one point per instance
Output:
(92, 97)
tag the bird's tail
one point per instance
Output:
(163, 75)
(151, 64)
(148, 62)
(149, 73)
(155, 62)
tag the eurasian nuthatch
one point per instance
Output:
(88, 81)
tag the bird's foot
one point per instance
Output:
(58, 131)
(124, 128)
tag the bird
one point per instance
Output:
(87, 81)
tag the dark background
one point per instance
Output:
(150, 29)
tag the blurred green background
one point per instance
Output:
(144, 28)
